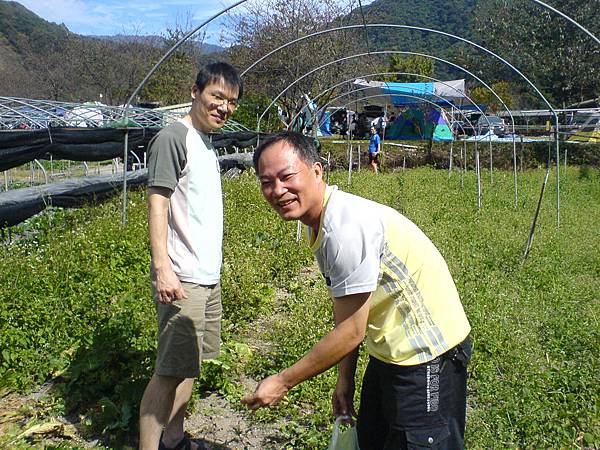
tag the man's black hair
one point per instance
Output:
(303, 146)
(215, 72)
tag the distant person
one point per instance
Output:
(374, 149)
(185, 220)
(389, 282)
(381, 124)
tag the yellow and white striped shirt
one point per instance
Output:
(363, 246)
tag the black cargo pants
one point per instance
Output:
(415, 407)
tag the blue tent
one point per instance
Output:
(442, 92)
(417, 125)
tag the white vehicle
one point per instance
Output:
(495, 123)
(85, 116)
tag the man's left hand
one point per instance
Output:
(268, 393)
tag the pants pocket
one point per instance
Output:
(428, 438)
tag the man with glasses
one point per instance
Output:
(185, 221)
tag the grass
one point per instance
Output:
(75, 306)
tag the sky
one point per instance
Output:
(111, 17)
(143, 17)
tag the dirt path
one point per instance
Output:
(220, 427)
(218, 424)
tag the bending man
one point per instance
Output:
(388, 282)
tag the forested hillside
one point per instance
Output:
(21, 33)
(557, 56)
(40, 59)
(23, 30)
(45, 60)
(452, 16)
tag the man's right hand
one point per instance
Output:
(343, 398)
(167, 286)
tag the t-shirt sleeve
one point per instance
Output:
(166, 160)
(352, 256)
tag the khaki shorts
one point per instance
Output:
(189, 331)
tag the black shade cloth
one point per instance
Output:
(239, 139)
(20, 204)
(18, 147)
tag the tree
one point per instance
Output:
(268, 24)
(251, 106)
(172, 82)
(562, 60)
(114, 68)
(481, 94)
(53, 65)
(410, 64)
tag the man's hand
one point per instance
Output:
(167, 286)
(268, 393)
(343, 398)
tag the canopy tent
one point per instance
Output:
(437, 92)
(325, 124)
(415, 124)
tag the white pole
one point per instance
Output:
(463, 158)
(478, 172)
(450, 160)
(491, 162)
(515, 168)
(350, 166)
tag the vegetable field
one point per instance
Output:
(76, 314)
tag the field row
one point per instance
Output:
(75, 307)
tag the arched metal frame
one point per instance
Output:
(43, 114)
(487, 120)
(20, 114)
(370, 75)
(382, 52)
(388, 95)
(435, 105)
(392, 52)
(446, 84)
(574, 22)
(169, 52)
(443, 33)
(452, 87)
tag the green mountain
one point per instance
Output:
(450, 16)
(24, 39)
(22, 29)
(40, 59)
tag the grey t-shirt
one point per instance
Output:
(181, 159)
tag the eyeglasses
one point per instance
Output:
(218, 101)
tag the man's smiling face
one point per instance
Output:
(292, 187)
(212, 107)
